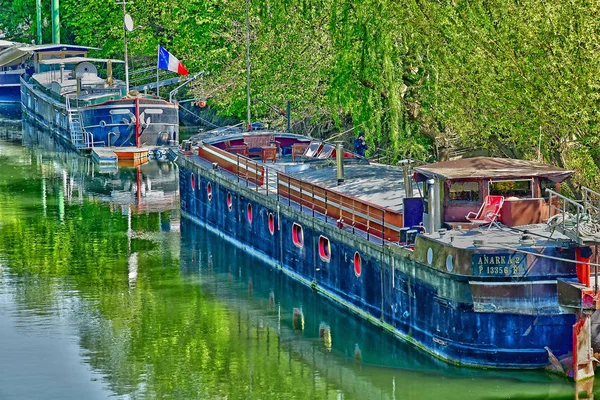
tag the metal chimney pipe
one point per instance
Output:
(339, 158)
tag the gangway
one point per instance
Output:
(591, 201)
(578, 220)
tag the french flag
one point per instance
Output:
(169, 62)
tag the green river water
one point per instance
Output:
(106, 294)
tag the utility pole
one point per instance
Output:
(248, 60)
(287, 113)
(127, 26)
(55, 22)
(38, 10)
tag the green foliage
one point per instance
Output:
(421, 77)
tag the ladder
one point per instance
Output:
(79, 137)
(76, 129)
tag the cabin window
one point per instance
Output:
(464, 191)
(229, 201)
(249, 212)
(193, 181)
(357, 264)
(519, 189)
(209, 191)
(324, 249)
(297, 235)
(271, 223)
(546, 184)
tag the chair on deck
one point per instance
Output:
(298, 149)
(488, 213)
(237, 149)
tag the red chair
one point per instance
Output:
(488, 213)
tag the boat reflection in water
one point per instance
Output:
(150, 187)
(352, 356)
(10, 113)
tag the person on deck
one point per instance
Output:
(360, 146)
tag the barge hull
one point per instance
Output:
(424, 306)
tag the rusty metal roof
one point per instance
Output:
(490, 167)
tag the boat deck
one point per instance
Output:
(383, 186)
(376, 183)
(539, 235)
(270, 189)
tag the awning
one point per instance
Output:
(7, 43)
(77, 60)
(12, 56)
(56, 47)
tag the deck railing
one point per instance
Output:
(242, 167)
(344, 210)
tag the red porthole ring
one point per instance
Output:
(271, 223)
(209, 191)
(249, 212)
(229, 201)
(324, 249)
(357, 264)
(297, 235)
(193, 181)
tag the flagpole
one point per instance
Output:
(248, 63)
(157, 61)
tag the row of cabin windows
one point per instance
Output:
(468, 191)
(297, 231)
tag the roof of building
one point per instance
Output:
(490, 167)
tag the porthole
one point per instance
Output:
(249, 212)
(193, 181)
(297, 235)
(357, 264)
(449, 263)
(429, 256)
(271, 223)
(324, 249)
(209, 191)
(229, 201)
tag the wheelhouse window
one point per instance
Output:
(464, 191)
(520, 189)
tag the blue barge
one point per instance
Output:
(65, 93)
(12, 65)
(352, 230)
